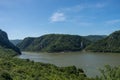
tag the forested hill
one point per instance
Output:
(109, 44)
(95, 38)
(54, 43)
(6, 46)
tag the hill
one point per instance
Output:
(54, 43)
(16, 41)
(95, 38)
(6, 46)
(108, 44)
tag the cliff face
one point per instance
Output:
(6, 44)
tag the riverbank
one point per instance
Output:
(89, 62)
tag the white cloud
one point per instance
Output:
(58, 17)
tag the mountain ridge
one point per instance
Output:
(95, 38)
(109, 44)
(6, 44)
(54, 43)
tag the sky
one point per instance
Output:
(33, 18)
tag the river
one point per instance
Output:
(89, 62)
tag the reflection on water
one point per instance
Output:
(89, 62)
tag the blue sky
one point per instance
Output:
(23, 18)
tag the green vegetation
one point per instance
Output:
(95, 38)
(24, 69)
(12, 68)
(19, 69)
(109, 73)
(54, 43)
(109, 44)
(4, 52)
(6, 44)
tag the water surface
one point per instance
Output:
(89, 62)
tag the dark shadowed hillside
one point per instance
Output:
(54, 43)
(109, 44)
(6, 46)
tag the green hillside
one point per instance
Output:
(18, 69)
(54, 43)
(6, 46)
(95, 38)
(12, 68)
(109, 44)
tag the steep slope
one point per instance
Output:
(24, 45)
(109, 44)
(54, 43)
(16, 41)
(6, 46)
(95, 38)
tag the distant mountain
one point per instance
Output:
(6, 46)
(16, 41)
(54, 43)
(95, 38)
(108, 44)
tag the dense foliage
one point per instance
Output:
(95, 38)
(25, 43)
(4, 52)
(109, 73)
(18, 69)
(24, 69)
(54, 43)
(6, 44)
(109, 44)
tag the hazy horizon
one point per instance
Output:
(33, 18)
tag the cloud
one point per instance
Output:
(113, 21)
(58, 17)
(72, 12)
